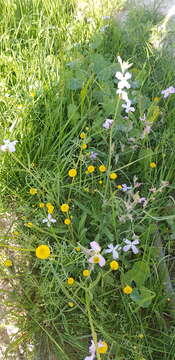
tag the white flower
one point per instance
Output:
(131, 245)
(122, 94)
(168, 91)
(123, 83)
(124, 64)
(8, 146)
(49, 220)
(107, 124)
(96, 257)
(128, 108)
(114, 250)
(92, 351)
(125, 188)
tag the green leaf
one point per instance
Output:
(142, 296)
(139, 273)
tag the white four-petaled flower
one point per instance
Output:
(128, 108)
(107, 124)
(8, 146)
(123, 80)
(96, 257)
(114, 250)
(168, 91)
(49, 220)
(131, 245)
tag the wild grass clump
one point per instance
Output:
(87, 107)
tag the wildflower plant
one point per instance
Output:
(97, 121)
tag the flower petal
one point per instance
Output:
(95, 246)
(127, 241)
(126, 248)
(134, 249)
(102, 261)
(119, 75)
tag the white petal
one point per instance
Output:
(53, 221)
(119, 75)
(95, 246)
(135, 242)
(107, 251)
(102, 260)
(126, 248)
(115, 254)
(127, 241)
(128, 76)
(44, 220)
(134, 249)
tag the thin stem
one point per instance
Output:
(94, 335)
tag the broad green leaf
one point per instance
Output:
(139, 273)
(142, 296)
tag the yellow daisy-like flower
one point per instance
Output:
(152, 165)
(119, 187)
(78, 248)
(86, 273)
(102, 347)
(50, 209)
(67, 221)
(8, 263)
(113, 176)
(71, 304)
(41, 205)
(64, 207)
(102, 168)
(114, 265)
(72, 172)
(141, 336)
(90, 169)
(48, 204)
(100, 182)
(33, 94)
(84, 146)
(15, 233)
(70, 280)
(127, 290)
(29, 224)
(42, 252)
(33, 191)
(82, 135)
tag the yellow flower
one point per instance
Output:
(152, 165)
(82, 135)
(156, 99)
(91, 169)
(72, 172)
(42, 252)
(8, 263)
(102, 347)
(113, 176)
(127, 290)
(119, 187)
(41, 205)
(114, 265)
(78, 248)
(33, 191)
(141, 336)
(50, 209)
(70, 281)
(102, 168)
(33, 94)
(96, 259)
(67, 221)
(84, 146)
(15, 233)
(29, 224)
(100, 182)
(86, 273)
(71, 304)
(64, 207)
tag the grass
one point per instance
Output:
(58, 67)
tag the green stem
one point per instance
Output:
(94, 335)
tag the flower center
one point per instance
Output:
(96, 259)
